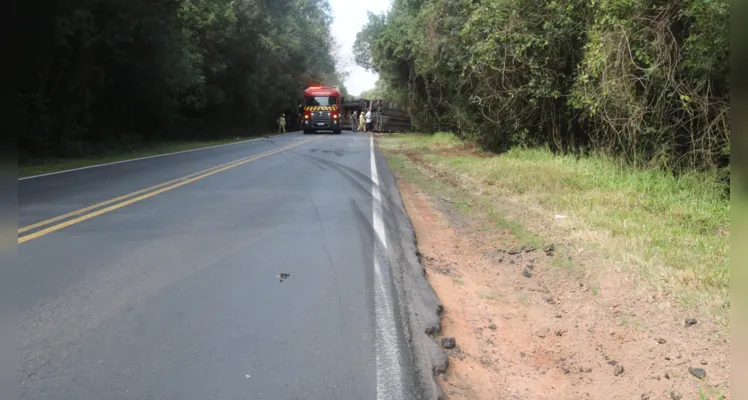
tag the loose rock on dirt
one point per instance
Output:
(698, 372)
(690, 322)
(675, 395)
(618, 370)
(449, 342)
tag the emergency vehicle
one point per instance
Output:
(321, 109)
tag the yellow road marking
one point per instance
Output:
(120, 198)
(173, 184)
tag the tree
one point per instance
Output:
(643, 80)
(106, 73)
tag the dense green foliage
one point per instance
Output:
(645, 80)
(380, 91)
(112, 73)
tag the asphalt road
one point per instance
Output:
(166, 285)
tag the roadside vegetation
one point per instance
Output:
(613, 113)
(103, 77)
(672, 231)
(644, 81)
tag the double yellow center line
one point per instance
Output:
(55, 224)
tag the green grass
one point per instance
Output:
(710, 393)
(672, 230)
(44, 166)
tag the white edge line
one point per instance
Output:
(388, 368)
(143, 158)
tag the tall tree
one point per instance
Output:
(644, 80)
(112, 73)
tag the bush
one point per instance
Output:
(643, 80)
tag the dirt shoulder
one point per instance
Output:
(538, 313)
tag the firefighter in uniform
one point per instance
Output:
(362, 122)
(353, 121)
(282, 124)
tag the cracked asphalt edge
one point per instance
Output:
(420, 307)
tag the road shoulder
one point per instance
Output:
(417, 304)
(530, 317)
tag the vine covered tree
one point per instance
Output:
(645, 80)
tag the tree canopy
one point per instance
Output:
(645, 80)
(101, 72)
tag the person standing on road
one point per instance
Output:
(354, 120)
(282, 124)
(361, 122)
(368, 121)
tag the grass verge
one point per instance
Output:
(672, 232)
(44, 166)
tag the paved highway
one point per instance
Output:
(160, 278)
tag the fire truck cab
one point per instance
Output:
(322, 109)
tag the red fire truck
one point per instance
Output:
(322, 109)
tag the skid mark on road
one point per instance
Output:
(389, 370)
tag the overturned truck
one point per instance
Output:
(386, 116)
